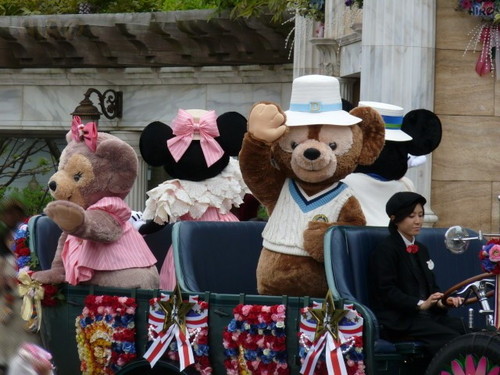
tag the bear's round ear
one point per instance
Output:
(122, 165)
(425, 129)
(153, 143)
(373, 129)
(232, 127)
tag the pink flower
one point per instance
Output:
(108, 310)
(260, 342)
(466, 4)
(488, 7)
(123, 300)
(246, 309)
(130, 310)
(495, 253)
(120, 362)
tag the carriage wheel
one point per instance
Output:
(468, 354)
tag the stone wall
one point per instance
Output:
(466, 165)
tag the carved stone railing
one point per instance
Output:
(182, 38)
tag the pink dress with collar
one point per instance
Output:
(81, 257)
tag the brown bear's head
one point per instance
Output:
(319, 155)
(84, 176)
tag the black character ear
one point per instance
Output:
(153, 143)
(347, 105)
(425, 129)
(232, 127)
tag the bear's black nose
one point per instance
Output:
(53, 185)
(312, 153)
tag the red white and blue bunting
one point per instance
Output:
(331, 340)
(179, 330)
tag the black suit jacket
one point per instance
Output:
(394, 283)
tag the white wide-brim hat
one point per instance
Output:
(316, 100)
(393, 119)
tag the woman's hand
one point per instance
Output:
(431, 301)
(451, 301)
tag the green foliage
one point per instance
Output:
(280, 9)
(33, 7)
(171, 5)
(262, 213)
(34, 198)
(124, 6)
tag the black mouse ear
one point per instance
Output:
(425, 129)
(232, 127)
(153, 143)
(347, 105)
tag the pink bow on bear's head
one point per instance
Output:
(184, 127)
(84, 133)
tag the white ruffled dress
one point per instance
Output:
(207, 200)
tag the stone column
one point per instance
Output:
(137, 196)
(397, 65)
(305, 55)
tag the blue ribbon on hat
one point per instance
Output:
(315, 107)
(393, 122)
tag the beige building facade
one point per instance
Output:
(465, 178)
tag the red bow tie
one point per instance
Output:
(412, 249)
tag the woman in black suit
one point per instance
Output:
(406, 299)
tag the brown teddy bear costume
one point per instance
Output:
(293, 163)
(98, 244)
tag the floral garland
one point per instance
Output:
(24, 258)
(486, 9)
(255, 341)
(489, 255)
(197, 329)
(27, 261)
(352, 328)
(105, 334)
(485, 33)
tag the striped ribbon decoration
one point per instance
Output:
(161, 343)
(350, 326)
(334, 358)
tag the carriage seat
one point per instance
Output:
(220, 257)
(347, 255)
